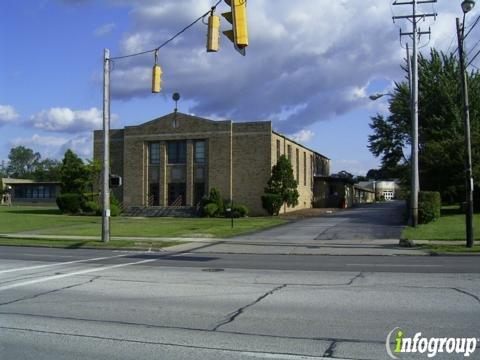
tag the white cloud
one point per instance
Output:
(303, 136)
(67, 120)
(55, 146)
(104, 29)
(308, 61)
(7, 114)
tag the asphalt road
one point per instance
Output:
(373, 221)
(372, 229)
(85, 304)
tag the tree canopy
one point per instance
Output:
(441, 128)
(22, 162)
(282, 182)
(75, 175)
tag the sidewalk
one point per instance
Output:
(377, 247)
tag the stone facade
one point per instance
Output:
(236, 158)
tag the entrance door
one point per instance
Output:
(177, 194)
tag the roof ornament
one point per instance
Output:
(175, 97)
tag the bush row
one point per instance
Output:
(214, 206)
(74, 204)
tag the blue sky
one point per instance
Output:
(310, 67)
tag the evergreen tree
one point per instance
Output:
(282, 182)
(75, 175)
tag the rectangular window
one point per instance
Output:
(304, 169)
(297, 160)
(200, 152)
(177, 152)
(289, 152)
(154, 152)
(278, 150)
(311, 169)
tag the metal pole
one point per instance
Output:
(231, 172)
(468, 146)
(106, 148)
(415, 178)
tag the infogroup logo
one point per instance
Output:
(429, 346)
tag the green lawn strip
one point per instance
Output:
(451, 249)
(24, 219)
(47, 221)
(451, 227)
(88, 244)
(170, 227)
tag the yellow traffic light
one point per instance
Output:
(213, 33)
(156, 78)
(238, 18)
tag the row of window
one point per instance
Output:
(176, 193)
(177, 152)
(35, 191)
(297, 162)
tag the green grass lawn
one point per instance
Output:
(49, 221)
(450, 226)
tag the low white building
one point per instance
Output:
(384, 189)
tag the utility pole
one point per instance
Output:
(468, 146)
(415, 35)
(106, 148)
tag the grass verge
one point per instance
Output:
(451, 249)
(449, 227)
(90, 244)
(48, 221)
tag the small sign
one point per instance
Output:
(107, 213)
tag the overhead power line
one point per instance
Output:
(473, 26)
(170, 39)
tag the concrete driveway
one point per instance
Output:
(372, 229)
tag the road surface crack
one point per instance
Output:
(50, 291)
(467, 293)
(358, 276)
(238, 312)
(331, 349)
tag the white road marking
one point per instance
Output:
(60, 264)
(81, 272)
(283, 356)
(396, 265)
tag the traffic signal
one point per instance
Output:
(115, 181)
(237, 16)
(156, 76)
(213, 33)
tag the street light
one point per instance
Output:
(377, 96)
(467, 5)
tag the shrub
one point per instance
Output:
(272, 203)
(114, 209)
(237, 211)
(216, 198)
(210, 210)
(241, 209)
(429, 206)
(70, 203)
(91, 207)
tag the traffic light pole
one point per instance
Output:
(106, 149)
(468, 146)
